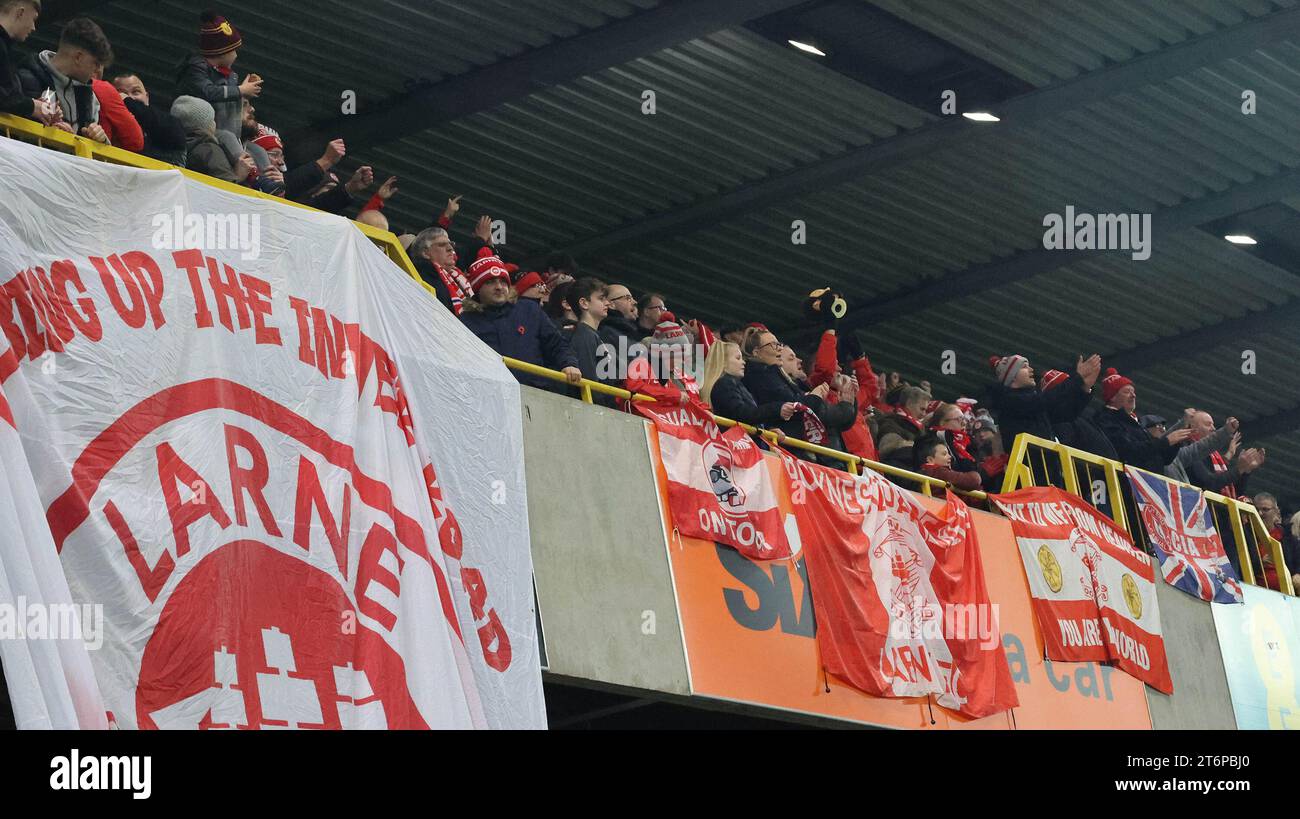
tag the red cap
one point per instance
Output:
(1112, 384)
(269, 142)
(528, 281)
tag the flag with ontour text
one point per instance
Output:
(719, 487)
(1180, 528)
(1094, 594)
(286, 484)
(898, 591)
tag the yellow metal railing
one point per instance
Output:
(853, 463)
(1240, 517)
(27, 130)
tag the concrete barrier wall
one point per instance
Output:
(604, 586)
(609, 602)
(1201, 700)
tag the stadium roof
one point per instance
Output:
(932, 224)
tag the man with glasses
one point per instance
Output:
(434, 255)
(621, 321)
(651, 310)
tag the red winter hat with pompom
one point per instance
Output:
(1112, 384)
(1054, 378)
(485, 268)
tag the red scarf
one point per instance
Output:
(456, 286)
(1220, 464)
(959, 440)
(902, 412)
(223, 70)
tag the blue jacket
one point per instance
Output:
(521, 330)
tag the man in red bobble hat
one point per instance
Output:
(515, 328)
(1072, 426)
(1118, 421)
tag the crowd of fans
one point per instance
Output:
(587, 328)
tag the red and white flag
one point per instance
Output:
(898, 591)
(719, 487)
(1094, 595)
(236, 434)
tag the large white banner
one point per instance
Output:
(285, 486)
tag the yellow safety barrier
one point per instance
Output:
(29, 131)
(26, 130)
(1230, 515)
(854, 464)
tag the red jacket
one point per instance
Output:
(122, 129)
(641, 378)
(857, 438)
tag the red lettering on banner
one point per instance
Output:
(309, 496)
(330, 347)
(87, 320)
(252, 480)
(27, 340)
(184, 514)
(370, 570)
(493, 632)
(57, 329)
(147, 275)
(226, 292)
(133, 316)
(191, 261)
(151, 580)
(259, 304)
(306, 353)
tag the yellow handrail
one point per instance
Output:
(89, 149)
(854, 463)
(69, 143)
(1020, 474)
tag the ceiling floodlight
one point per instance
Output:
(1240, 239)
(981, 116)
(811, 49)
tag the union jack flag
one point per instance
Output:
(1180, 528)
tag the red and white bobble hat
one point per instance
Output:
(1054, 378)
(669, 333)
(1007, 367)
(485, 268)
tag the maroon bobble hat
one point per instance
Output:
(217, 36)
(1112, 384)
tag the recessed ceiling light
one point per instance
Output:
(811, 49)
(981, 116)
(1240, 239)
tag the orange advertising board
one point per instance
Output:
(750, 637)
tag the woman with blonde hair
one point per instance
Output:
(724, 367)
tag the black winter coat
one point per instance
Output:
(769, 385)
(521, 330)
(12, 98)
(164, 138)
(1029, 410)
(731, 399)
(1133, 444)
